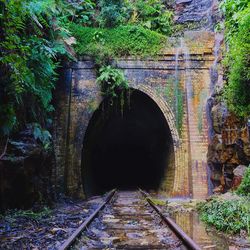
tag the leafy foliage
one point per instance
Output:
(232, 10)
(112, 13)
(42, 135)
(112, 81)
(230, 216)
(35, 37)
(31, 41)
(150, 14)
(82, 12)
(237, 61)
(244, 188)
(153, 15)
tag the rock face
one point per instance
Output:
(229, 150)
(197, 14)
(219, 113)
(25, 173)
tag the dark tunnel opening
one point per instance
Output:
(127, 145)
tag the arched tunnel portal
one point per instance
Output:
(128, 144)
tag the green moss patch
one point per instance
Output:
(120, 41)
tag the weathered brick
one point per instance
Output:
(187, 172)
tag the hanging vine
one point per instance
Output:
(113, 84)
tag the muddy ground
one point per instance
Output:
(46, 229)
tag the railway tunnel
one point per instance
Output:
(128, 144)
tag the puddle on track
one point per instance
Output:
(196, 229)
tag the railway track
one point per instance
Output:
(129, 220)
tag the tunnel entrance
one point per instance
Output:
(128, 144)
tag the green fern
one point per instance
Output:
(112, 81)
(32, 41)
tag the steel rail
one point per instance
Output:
(83, 226)
(187, 241)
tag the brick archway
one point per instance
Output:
(169, 185)
(164, 107)
(78, 95)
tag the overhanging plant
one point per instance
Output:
(112, 81)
